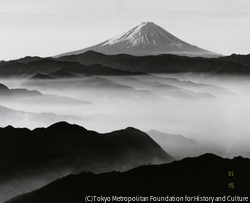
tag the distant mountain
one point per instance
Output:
(146, 39)
(160, 63)
(62, 74)
(29, 59)
(204, 178)
(34, 96)
(117, 94)
(5, 91)
(49, 66)
(93, 63)
(41, 76)
(179, 139)
(241, 59)
(31, 108)
(178, 146)
(167, 91)
(101, 83)
(19, 118)
(32, 159)
(189, 85)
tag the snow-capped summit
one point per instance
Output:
(145, 33)
(146, 38)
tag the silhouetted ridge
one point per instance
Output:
(47, 67)
(209, 157)
(139, 140)
(237, 58)
(93, 63)
(9, 127)
(160, 63)
(65, 127)
(28, 59)
(32, 158)
(207, 175)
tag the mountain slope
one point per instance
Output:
(178, 146)
(207, 175)
(18, 118)
(32, 159)
(146, 39)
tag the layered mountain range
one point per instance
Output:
(165, 63)
(113, 84)
(146, 48)
(93, 63)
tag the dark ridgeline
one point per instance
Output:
(93, 63)
(32, 159)
(164, 63)
(237, 58)
(48, 68)
(207, 175)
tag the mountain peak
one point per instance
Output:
(146, 38)
(146, 33)
(148, 23)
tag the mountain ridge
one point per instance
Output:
(206, 175)
(95, 63)
(32, 158)
(164, 63)
(49, 65)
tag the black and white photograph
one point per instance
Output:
(124, 101)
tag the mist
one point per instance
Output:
(212, 110)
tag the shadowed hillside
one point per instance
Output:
(161, 63)
(207, 175)
(32, 159)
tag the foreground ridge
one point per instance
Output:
(207, 176)
(32, 159)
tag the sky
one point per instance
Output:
(51, 27)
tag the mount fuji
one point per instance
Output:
(146, 38)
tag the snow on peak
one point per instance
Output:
(146, 38)
(144, 33)
(135, 36)
(146, 22)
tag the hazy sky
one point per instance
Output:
(50, 27)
